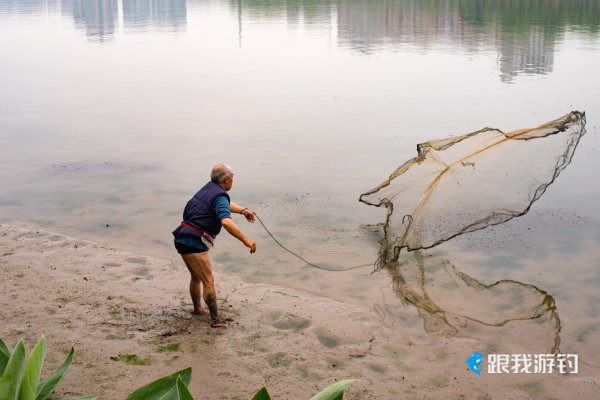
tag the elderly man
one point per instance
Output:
(203, 216)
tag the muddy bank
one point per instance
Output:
(128, 317)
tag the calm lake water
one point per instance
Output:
(113, 112)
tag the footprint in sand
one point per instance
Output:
(291, 322)
(325, 338)
(143, 272)
(136, 260)
(112, 264)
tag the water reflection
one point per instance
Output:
(100, 18)
(29, 6)
(464, 26)
(316, 14)
(529, 53)
(523, 36)
(170, 15)
(451, 303)
(97, 17)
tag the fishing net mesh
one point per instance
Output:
(464, 183)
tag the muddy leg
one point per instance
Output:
(199, 263)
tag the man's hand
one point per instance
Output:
(251, 245)
(249, 214)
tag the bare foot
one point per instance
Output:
(218, 323)
(202, 311)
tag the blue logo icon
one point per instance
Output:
(474, 361)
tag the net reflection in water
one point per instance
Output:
(452, 303)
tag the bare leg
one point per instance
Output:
(201, 271)
(195, 292)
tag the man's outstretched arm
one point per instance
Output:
(234, 231)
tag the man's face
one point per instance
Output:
(228, 182)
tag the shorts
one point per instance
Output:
(185, 249)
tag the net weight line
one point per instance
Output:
(306, 261)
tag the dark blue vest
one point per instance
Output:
(198, 211)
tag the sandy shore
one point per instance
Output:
(109, 304)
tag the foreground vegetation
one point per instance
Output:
(20, 379)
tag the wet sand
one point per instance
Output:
(128, 317)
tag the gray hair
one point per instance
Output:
(220, 172)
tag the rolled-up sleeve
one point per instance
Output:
(221, 207)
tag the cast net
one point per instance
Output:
(464, 183)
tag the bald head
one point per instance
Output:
(220, 172)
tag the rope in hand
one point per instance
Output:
(306, 261)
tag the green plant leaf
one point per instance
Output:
(163, 388)
(4, 356)
(10, 382)
(47, 386)
(4, 348)
(262, 394)
(335, 391)
(33, 368)
(183, 391)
